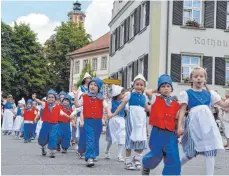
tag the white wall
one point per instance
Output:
(99, 73)
(133, 49)
(117, 6)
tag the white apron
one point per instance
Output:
(117, 130)
(78, 127)
(203, 129)
(39, 125)
(17, 123)
(8, 120)
(138, 123)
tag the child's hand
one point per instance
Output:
(110, 115)
(61, 113)
(81, 123)
(74, 90)
(180, 131)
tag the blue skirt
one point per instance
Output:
(138, 145)
(188, 143)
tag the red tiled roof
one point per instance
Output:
(101, 43)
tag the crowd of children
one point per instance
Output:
(58, 124)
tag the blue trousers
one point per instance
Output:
(48, 135)
(34, 129)
(93, 129)
(28, 131)
(64, 135)
(163, 144)
(82, 141)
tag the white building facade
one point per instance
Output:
(180, 35)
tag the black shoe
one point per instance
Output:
(9, 133)
(64, 151)
(32, 138)
(43, 152)
(90, 162)
(22, 135)
(145, 171)
(52, 155)
(26, 141)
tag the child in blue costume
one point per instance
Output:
(64, 130)
(91, 119)
(80, 133)
(19, 118)
(8, 116)
(136, 137)
(116, 125)
(163, 140)
(201, 134)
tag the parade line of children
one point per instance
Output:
(58, 124)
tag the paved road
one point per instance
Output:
(25, 159)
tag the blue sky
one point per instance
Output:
(55, 10)
(44, 16)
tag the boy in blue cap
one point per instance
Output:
(163, 140)
(50, 116)
(93, 104)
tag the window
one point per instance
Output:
(140, 65)
(85, 62)
(94, 64)
(192, 11)
(228, 15)
(227, 71)
(104, 63)
(129, 76)
(113, 43)
(122, 35)
(143, 15)
(70, 17)
(77, 67)
(188, 63)
(131, 26)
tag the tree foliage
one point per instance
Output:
(88, 69)
(69, 37)
(24, 63)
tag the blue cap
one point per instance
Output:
(164, 79)
(62, 93)
(51, 91)
(57, 96)
(29, 101)
(68, 97)
(98, 82)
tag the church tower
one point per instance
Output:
(76, 15)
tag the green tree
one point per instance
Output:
(31, 66)
(88, 69)
(69, 37)
(8, 70)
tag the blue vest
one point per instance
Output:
(198, 98)
(18, 111)
(115, 105)
(8, 105)
(137, 99)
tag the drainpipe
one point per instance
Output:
(167, 39)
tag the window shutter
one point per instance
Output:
(147, 12)
(128, 29)
(220, 71)
(209, 14)
(177, 12)
(221, 15)
(136, 68)
(135, 21)
(145, 71)
(132, 66)
(110, 48)
(116, 39)
(125, 28)
(125, 77)
(207, 64)
(176, 67)
(138, 19)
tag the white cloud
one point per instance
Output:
(40, 24)
(98, 15)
